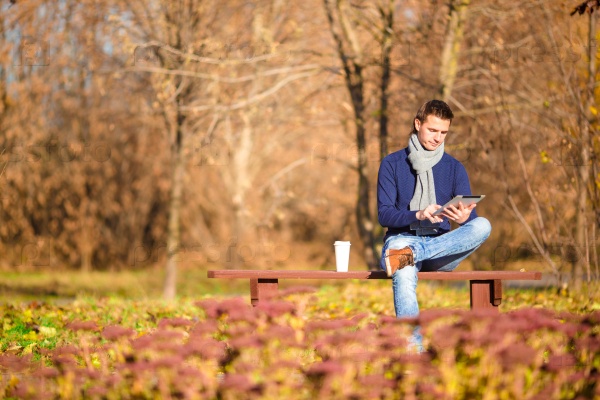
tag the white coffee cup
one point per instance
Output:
(342, 255)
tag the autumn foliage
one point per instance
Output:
(237, 118)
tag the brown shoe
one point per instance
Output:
(398, 259)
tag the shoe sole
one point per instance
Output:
(388, 266)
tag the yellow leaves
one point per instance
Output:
(29, 348)
(95, 360)
(27, 316)
(593, 110)
(47, 331)
(544, 156)
(32, 336)
(66, 387)
(14, 349)
(6, 325)
(297, 324)
(13, 381)
(138, 387)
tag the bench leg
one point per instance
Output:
(486, 294)
(261, 289)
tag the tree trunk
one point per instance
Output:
(363, 208)
(241, 183)
(173, 232)
(583, 168)
(352, 64)
(386, 49)
(454, 35)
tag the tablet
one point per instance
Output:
(466, 200)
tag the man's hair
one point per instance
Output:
(437, 108)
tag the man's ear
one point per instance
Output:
(417, 124)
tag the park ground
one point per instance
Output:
(110, 335)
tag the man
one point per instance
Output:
(412, 184)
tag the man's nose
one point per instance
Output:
(437, 137)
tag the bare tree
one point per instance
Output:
(585, 145)
(351, 55)
(232, 97)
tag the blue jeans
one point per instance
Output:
(431, 253)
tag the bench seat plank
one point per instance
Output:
(485, 286)
(307, 274)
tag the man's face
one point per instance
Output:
(432, 132)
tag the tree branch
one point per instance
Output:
(253, 99)
(216, 78)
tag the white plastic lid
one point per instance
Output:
(341, 243)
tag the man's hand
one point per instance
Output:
(427, 213)
(458, 214)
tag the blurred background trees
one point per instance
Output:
(248, 134)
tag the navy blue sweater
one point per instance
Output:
(396, 187)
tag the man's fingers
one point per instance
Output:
(454, 214)
(451, 216)
(429, 215)
(430, 209)
(470, 207)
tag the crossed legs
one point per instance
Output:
(438, 253)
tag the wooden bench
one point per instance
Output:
(485, 286)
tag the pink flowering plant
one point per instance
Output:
(296, 347)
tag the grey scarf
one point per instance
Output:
(422, 162)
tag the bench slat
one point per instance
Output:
(305, 274)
